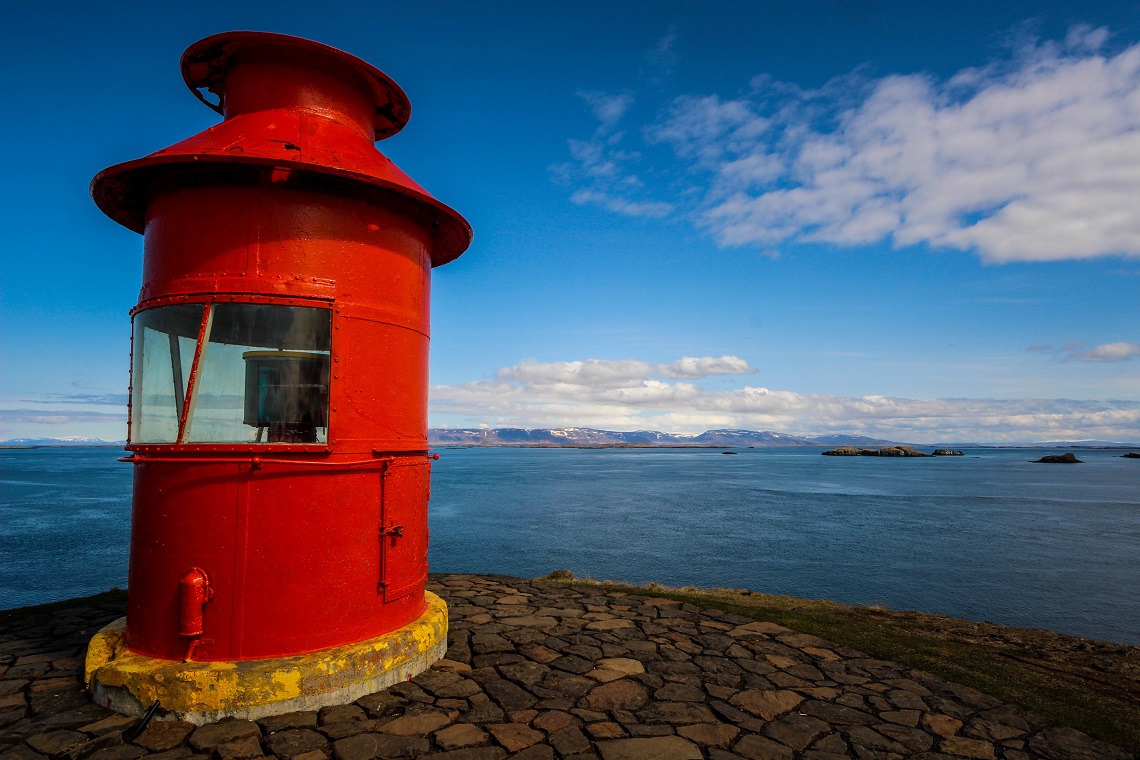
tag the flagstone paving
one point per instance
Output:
(538, 671)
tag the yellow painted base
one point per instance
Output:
(202, 692)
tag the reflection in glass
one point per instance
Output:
(262, 376)
(163, 358)
(286, 394)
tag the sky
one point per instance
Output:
(916, 221)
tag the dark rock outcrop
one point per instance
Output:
(901, 451)
(843, 451)
(1069, 458)
(1131, 455)
(946, 453)
(888, 451)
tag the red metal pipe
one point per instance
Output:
(193, 593)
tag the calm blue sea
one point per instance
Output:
(987, 536)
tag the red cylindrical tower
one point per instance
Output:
(278, 418)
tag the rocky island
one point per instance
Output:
(1069, 458)
(887, 451)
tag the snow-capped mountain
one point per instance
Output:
(575, 436)
(68, 441)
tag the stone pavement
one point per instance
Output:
(539, 671)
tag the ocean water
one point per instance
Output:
(986, 536)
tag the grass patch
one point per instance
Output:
(1091, 686)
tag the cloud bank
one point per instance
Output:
(65, 415)
(631, 394)
(1033, 158)
(1080, 351)
(1108, 352)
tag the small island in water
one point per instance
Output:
(889, 451)
(1068, 458)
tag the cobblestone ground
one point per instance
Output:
(539, 671)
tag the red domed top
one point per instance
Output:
(288, 103)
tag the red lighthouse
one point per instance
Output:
(278, 419)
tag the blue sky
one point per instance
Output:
(911, 220)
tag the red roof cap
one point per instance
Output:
(290, 103)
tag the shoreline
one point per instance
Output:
(1086, 683)
(982, 628)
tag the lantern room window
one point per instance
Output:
(231, 373)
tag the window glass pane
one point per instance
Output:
(263, 376)
(163, 354)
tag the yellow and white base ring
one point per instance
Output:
(203, 692)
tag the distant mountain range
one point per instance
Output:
(574, 436)
(71, 441)
(1090, 444)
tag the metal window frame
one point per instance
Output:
(208, 300)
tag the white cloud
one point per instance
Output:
(1034, 158)
(618, 205)
(661, 59)
(1108, 352)
(608, 109)
(631, 394)
(1081, 351)
(46, 420)
(602, 170)
(703, 366)
(594, 373)
(621, 373)
(708, 129)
